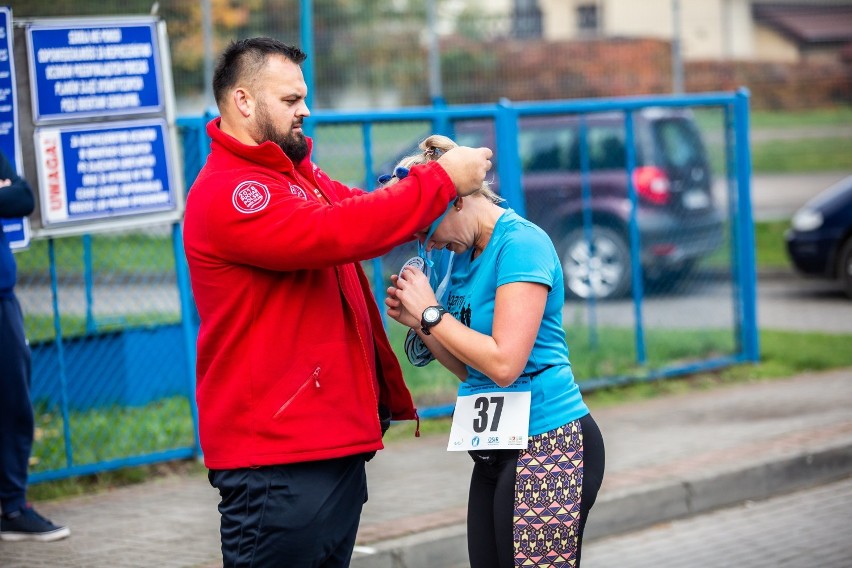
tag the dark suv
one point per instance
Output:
(677, 220)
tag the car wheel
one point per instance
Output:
(845, 267)
(600, 268)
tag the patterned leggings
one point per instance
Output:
(530, 508)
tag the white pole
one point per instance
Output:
(677, 56)
(207, 27)
(436, 90)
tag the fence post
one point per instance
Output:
(635, 256)
(588, 223)
(745, 224)
(508, 166)
(60, 354)
(188, 324)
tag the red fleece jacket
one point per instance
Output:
(292, 356)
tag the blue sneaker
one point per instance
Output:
(27, 524)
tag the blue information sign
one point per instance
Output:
(17, 230)
(88, 173)
(94, 70)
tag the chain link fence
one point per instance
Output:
(658, 289)
(110, 381)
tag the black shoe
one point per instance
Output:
(27, 524)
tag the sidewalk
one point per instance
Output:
(666, 458)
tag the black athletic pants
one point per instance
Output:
(302, 515)
(16, 410)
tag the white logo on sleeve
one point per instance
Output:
(250, 197)
(298, 191)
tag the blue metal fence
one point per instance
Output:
(354, 146)
(113, 325)
(111, 361)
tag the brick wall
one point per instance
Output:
(775, 85)
(526, 70)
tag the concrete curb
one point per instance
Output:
(633, 510)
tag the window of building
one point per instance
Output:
(587, 18)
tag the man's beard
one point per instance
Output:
(294, 144)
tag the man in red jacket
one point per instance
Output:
(294, 368)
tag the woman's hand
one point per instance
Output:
(414, 292)
(395, 308)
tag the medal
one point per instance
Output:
(414, 262)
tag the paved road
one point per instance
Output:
(802, 304)
(787, 303)
(777, 196)
(806, 528)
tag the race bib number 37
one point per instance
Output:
(491, 418)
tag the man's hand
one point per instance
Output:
(395, 308)
(5, 182)
(466, 167)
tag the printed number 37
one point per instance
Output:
(483, 405)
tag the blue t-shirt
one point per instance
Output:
(519, 251)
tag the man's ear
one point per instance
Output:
(243, 101)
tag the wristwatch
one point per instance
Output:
(431, 316)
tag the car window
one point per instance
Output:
(544, 149)
(472, 139)
(678, 143)
(606, 148)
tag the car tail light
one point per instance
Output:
(663, 249)
(652, 184)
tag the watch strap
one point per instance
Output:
(425, 325)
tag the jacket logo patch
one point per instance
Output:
(250, 197)
(298, 191)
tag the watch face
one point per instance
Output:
(431, 315)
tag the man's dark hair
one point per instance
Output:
(245, 57)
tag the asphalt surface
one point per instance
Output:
(778, 196)
(805, 528)
(669, 458)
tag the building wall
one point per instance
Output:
(772, 46)
(559, 18)
(739, 40)
(721, 30)
(717, 30)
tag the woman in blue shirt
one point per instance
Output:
(501, 334)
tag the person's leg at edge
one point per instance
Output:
(16, 412)
(19, 520)
(307, 513)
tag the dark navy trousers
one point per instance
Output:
(16, 411)
(302, 515)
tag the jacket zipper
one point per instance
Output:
(313, 378)
(340, 277)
